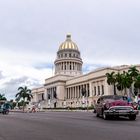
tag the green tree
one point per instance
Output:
(111, 80)
(24, 94)
(2, 97)
(133, 72)
(124, 82)
(119, 84)
(137, 82)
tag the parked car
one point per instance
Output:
(4, 108)
(109, 106)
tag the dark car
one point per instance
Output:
(4, 108)
(109, 106)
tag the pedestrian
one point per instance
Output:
(33, 109)
(138, 101)
(39, 106)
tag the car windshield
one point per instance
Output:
(113, 98)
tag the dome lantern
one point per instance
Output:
(68, 44)
(68, 37)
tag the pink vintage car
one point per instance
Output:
(114, 106)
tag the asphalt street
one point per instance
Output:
(66, 126)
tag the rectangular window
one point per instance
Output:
(67, 94)
(88, 90)
(42, 96)
(102, 89)
(98, 90)
(88, 93)
(95, 91)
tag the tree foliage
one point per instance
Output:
(24, 94)
(125, 80)
(2, 97)
(111, 80)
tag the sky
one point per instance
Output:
(107, 33)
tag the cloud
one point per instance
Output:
(1, 75)
(91, 67)
(11, 87)
(106, 32)
(21, 75)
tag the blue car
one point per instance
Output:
(4, 108)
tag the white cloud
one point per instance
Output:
(107, 33)
(21, 75)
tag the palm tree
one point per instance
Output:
(124, 82)
(137, 82)
(133, 72)
(25, 94)
(111, 80)
(119, 82)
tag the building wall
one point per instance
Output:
(69, 89)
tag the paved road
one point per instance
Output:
(66, 126)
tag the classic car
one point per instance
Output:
(4, 108)
(114, 106)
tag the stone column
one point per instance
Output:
(76, 92)
(79, 94)
(90, 89)
(66, 65)
(69, 93)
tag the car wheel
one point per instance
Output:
(132, 117)
(105, 117)
(94, 111)
(3, 112)
(7, 112)
(97, 115)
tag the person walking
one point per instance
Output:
(138, 101)
(33, 109)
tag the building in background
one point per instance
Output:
(69, 87)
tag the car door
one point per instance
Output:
(101, 106)
(98, 106)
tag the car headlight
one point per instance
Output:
(107, 105)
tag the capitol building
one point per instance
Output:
(69, 87)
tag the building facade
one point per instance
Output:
(69, 87)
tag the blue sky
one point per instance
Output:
(106, 32)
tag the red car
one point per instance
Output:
(114, 106)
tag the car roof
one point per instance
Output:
(112, 96)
